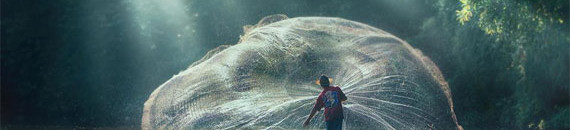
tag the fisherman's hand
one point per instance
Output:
(306, 123)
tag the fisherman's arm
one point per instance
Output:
(342, 96)
(317, 107)
(310, 116)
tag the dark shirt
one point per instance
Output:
(330, 98)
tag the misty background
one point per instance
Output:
(93, 63)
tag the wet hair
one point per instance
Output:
(324, 81)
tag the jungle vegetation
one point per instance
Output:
(506, 61)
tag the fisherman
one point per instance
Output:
(331, 99)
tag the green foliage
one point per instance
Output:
(506, 61)
(465, 13)
(507, 18)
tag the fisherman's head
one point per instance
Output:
(324, 81)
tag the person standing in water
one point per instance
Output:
(331, 99)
